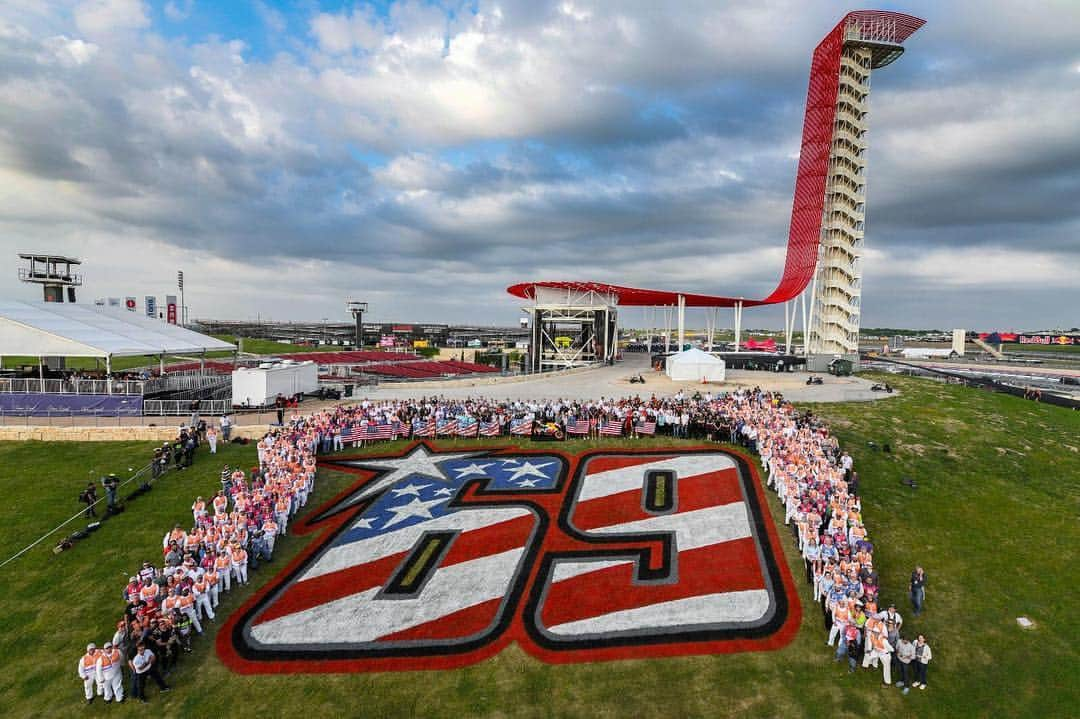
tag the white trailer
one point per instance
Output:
(259, 386)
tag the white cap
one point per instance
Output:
(90, 646)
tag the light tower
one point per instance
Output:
(357, 310)
(868, 41)
(53, 273)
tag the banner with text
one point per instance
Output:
(170, 309)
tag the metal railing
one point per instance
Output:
(114, 418)
(177, 383)
(29, 385)
(178, 408)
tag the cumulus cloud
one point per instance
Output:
(447, 150)
(101, 17)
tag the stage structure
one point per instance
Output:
(572, 327)
(822, 275)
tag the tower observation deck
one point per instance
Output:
(825, 241)
(53, 272)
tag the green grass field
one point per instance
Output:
(994, 521)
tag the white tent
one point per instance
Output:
(48, 329)
(695, 365)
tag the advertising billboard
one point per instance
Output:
(170, 309)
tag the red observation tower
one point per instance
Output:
(575, 323)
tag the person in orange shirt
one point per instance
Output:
(87, 669)
(200, 589)
(281, 513)
(170, 602)
(239, 563)
(221, 503)
(841, 617)
(149, 593)
(270, 530)
(187, 607)
(213, 582)
(110, 674)
(223, 565)
(198, 510)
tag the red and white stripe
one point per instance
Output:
(646, 428)
(720, 578)
(336, 600)
(427, 430)
(581, 426)
(611, 428)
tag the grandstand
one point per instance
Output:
(360, 364)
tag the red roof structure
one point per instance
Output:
(883, 32)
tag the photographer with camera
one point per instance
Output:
(89, 497)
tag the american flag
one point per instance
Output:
(521, 427)
(648, 427)
(352, 433)
(469, 429)
(472, 557)
(448, 428)
(424, 429)
(378, 431)
(611, 428)
(697, 499)
(580, 426)
(490, 429)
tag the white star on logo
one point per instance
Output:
(528, 469)
(510, 461)
(473, 468)
(419, 463)
(362, 523)
(528, 482)
(415, 508)
(413, 489)
(443, 492)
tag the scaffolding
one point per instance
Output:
(572, 328)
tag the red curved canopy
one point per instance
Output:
(884, 31)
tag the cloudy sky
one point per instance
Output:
(424, 155)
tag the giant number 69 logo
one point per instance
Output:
(441, 559)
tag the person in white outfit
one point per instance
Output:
(211, 439)
(110, 674)
(87, 669)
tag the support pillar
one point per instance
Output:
(108, 373)
(41, 372)
(667, 329)
(787, 327)
(805, 327)
(682, 323)
(738, 326)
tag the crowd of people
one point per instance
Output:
(819, 489)
(236, 529)
(168, 600)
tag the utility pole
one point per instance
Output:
(183, 305)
